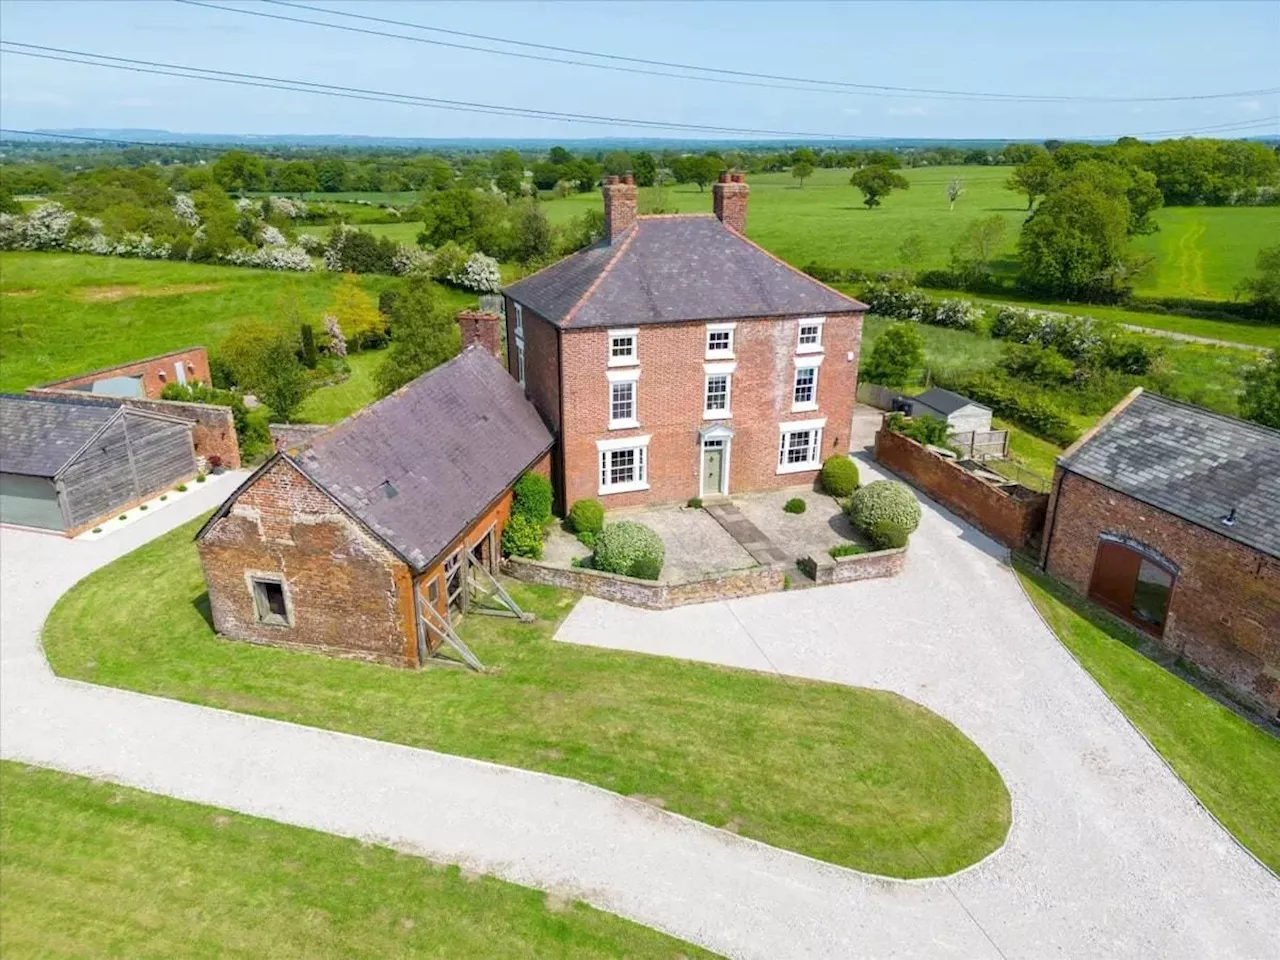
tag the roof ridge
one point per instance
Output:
(632, 231)
(796, 270)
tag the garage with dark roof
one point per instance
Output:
(67, 465)
(1168, 516)
(368, 540)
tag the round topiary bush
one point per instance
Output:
(631, 549)
(586, 516)
(887, 535)
(795, 505)
(522, 537)
(533, 498)
(884, 500)
(839, 475)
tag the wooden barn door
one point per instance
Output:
(1115, 574)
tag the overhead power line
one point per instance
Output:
(616, 62)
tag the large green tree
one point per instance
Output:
(897, 354)
(1264, 289)
(239, 171)
(1034, 177)
(1076, 244)
(802, 171)
(423, 336)
(877, 182)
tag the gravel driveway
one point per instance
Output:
(1108, 854)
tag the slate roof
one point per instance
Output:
(944, 401)
(421, 465)
(1191, 463)
(39, 435)
(671, 268)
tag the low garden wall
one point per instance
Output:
(650, 594)
(213, 428)
(1010, 518)
(825, 569)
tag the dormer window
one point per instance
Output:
(720, 341)
(809, 339)
(623, 350)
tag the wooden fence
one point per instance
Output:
(982, 444)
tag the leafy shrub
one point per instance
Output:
(97, 529)
(533, 499)
(164, 497)
(142, 506)
(927, 430)
(887, 535)
(884, 500)
(839, 475)
(522, 537)
(123, 516)
(586, 516)
(694, 503)
(901, 301)
(200, 478)
(1042, 365)
(795, 505)
(846, 550)
(625, 547)
(1021, 403)
(588, 538)
(358, 251)
(958, 314)
(181, 488)
(897, 354)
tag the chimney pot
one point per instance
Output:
(619, 206)
(738, 178)
(610, 180)
(724, 176)
(629, 178)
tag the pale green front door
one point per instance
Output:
(712, 471)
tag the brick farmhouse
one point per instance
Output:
(359, 543)
(677, 359)
(1168, 516)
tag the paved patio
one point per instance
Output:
(821, 526)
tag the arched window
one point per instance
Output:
(1133, 582)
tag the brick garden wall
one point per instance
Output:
(670, 404)
(649, 594)
(213, 429)
(155, 372)
(1009, 520)
(1224, 612)
(825, 569)
(348, 594)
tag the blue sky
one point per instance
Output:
(1084, 49)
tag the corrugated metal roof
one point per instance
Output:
(673, 268)
(1192, 463)
(39, 435)
(422, 464)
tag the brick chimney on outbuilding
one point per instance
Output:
(480, 327)
(619, 205)
(729, 199)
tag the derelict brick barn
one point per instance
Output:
(363, 542)
(1168, 515)
(68, 466)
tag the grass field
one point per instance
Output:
(333, 403)
(861, 778)
(1202, 252)
(92, 869)
(1231, 765)
(62, 314)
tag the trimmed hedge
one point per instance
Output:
(884, 501)
(586, 516)
(1022, 404)
(795, 505)
(839, 475)
(533, 498)
(887, 535)
(631, 549)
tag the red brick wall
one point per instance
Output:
(155, 371)
(481, 328)
(729, 201)
(541, 362)
(1006, 519)
(670, 404)
(1224, 613)
(619, 205)
(350, 596)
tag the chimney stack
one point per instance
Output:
(479, 326)
(729, 199)
(619, 206)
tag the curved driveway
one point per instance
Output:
(1109, 855)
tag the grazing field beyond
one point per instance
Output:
(93, 869)
(861, 778)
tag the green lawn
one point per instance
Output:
(861, 778)
(1231, 765)
(91, 869)
(1203, 253)
(404, 232)
(62, 314)
(336, 402)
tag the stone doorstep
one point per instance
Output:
(763, 550)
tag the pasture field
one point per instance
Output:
(1202, 252)
(397, 198)
(62, 314)
(93, 869)
(404, 232)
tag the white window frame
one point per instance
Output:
(727, 371)
(719, 328)
(812, 404)
(604, 464)
(809, 322)
(519, 311)
(785, 430)
(520, 361)
(632, 359)
(632, 377)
